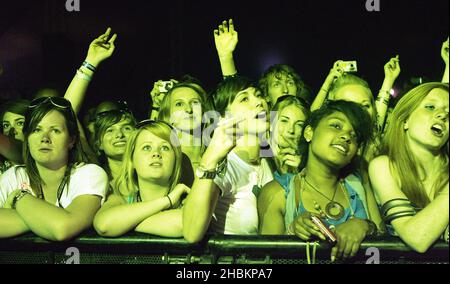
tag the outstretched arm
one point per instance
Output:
(391, 72)
(444, 54)
(335, 73)
(226, 39)
(419, 232)
(99, 50)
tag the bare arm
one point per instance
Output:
(419, 232)
(116, 217)
(392, 71)
(11, 224)
(99, 50)
(334, 74)
(271, 209)
(56, 223)
(165, 224)
(444, 54)
(226, 39)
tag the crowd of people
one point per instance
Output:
(250, 157)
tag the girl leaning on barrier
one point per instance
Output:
(147, 195)
(324, 187)
(56, 193)
(224, 194)
(411, 179)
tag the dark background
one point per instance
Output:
(41, 44)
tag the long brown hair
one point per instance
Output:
(402, 159)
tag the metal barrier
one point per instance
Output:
(214, 249)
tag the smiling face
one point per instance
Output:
(333, 142)
(12, 125)
(289, 126)
(153, 158)
(428, 124)
(50, 142)
(357, 94)
(250, 104)
(115, 138)
(281, 85)
(185, 109)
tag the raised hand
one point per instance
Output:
(444, 51)
(392, 69)
(157, 95)
(101, 48)
(226, 38)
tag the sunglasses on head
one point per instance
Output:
(122, 109)
(56, 101)
(147, 122)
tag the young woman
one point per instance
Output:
(291, 114)
(112, 131)
(329, 145)
(56, 194)
(410, 179)
(230, 193)
(183, 108)
(147, 195)
(12, 117)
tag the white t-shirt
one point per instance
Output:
(236, 211)
(85, 179)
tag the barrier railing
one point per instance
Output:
(214, 249)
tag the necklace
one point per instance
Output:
(333, 210)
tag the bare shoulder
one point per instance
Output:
(272, 194)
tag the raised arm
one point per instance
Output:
(99, 50)
(391, 72)
(335, 73)
(422, 230)
(226, 39)
(444, 54)
(202, 200)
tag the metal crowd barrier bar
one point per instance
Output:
(138, 248)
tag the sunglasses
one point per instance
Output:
(56, 101)
(147, 122)
(121, 110)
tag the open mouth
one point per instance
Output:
(438, 130)
(261, 115)
(120, 144)
(343, 149)
(156, 165)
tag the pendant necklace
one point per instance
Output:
(333, 210)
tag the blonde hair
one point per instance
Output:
(127, 183)
(402, 159)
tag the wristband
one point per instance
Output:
(18, 196)
(80, 74)
(89, 66)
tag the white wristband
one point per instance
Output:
(80, 74)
